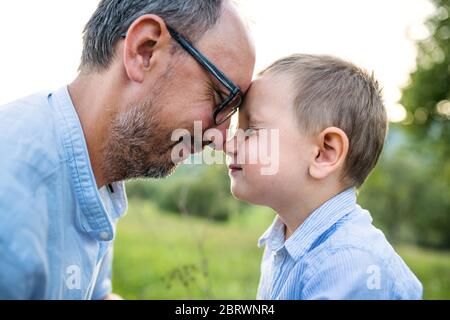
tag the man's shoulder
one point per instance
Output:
(32, 115)
(35, 106)
(29, 139)
(31, 155)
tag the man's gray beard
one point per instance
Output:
(138, 146)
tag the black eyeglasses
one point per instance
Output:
(229, 105)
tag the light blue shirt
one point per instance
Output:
(335, 254)
(57, 228)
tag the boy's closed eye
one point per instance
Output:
(251, 131)
(250, 126)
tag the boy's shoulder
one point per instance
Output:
(356, 249)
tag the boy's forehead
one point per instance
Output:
(256, 92)
(251, 100)
(265, 93)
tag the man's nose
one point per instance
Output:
(223, 129)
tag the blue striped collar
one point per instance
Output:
(318, 222)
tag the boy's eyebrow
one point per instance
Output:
(248, 115)
(252, 118)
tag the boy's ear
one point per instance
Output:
(330, 153)
(146, 38)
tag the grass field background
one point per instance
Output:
(161, 255)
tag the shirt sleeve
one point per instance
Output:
(349, 274)
(22, 271)
(103, 286)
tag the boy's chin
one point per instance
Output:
(236, 190)
(240, 193)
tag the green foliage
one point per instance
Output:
(429, 84)
(197, 191)
(421, 172)
(407, 201)
(161, 255)
(432, 268)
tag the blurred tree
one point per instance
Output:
(406, 201)
(427, 96)
(427, 100)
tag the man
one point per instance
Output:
(65, 154)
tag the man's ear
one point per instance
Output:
(330, 153)
(146, 39)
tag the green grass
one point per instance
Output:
(160, 255)
(164, 256)
(432, 268)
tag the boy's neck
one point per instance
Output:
(294, 213)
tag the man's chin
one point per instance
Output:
(160, 172)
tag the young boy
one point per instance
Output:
(331, 126)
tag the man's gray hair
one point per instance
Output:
(113, 17)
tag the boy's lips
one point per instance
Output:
(234, 168)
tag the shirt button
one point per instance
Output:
(278, 257)
(104, 235)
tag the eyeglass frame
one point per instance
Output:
(235, 91)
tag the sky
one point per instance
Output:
(41, 40)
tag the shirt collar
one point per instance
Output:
(274, 236)
(318, 222)
(96, 219)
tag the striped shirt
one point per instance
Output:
(335, 254)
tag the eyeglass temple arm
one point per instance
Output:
(200, 58)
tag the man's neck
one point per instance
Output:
(87, 94)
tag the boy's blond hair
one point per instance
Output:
(333, 92)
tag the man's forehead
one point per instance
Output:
(230, 47)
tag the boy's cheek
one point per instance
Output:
(254, 151)
(259, 159)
